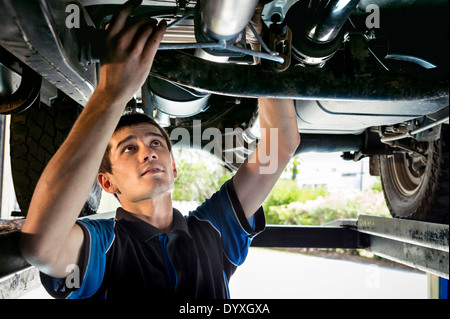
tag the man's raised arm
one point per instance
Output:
(51, 239)
(279, 139)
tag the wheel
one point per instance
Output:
(417, 187)
(35, 136)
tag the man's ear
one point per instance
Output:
(175, 172)
(105, 183)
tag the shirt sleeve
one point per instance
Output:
(98, 237)
(224, 212)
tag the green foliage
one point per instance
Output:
(286, 191)
(293, 167)
(199, 176)
(329, 208)
(377, 187)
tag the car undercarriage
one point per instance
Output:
(369, 79)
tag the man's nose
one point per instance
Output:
(147, 154)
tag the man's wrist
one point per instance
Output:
(105, 97)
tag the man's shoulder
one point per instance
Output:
(97, 222)
(98, 227)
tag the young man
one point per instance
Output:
(149, 249)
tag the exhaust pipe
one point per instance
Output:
(331, 17)
(318, 28)
(225, 19)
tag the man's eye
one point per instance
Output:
(156, 143)
(128, 148)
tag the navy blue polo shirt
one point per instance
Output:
(125, 257)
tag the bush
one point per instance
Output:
(286, 191)
(199, 175)
(377, 187)
(329, 208)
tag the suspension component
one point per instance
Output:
(281, 42)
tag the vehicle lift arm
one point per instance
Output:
(417, 244)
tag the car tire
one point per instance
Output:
(35, 135)
(418, 190)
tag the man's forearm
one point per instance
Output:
(279, 139)
(280, 116)
(66, 181)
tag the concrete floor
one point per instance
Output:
(275, 274)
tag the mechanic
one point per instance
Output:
(149, 249)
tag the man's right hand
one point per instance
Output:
(130, 47)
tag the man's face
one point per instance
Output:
(142, 166)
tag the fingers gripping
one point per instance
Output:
(140, 35)
(153, 40)
(130, 46)
(120, 19)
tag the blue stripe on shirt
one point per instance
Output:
(219, 211)
(101, 236)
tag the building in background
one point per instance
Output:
(331, 171)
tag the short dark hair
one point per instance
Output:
(129, 120)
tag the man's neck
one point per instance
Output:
(156, 211)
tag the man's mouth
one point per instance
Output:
(152, 170)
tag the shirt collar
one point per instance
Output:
(145, 231)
